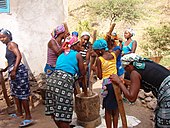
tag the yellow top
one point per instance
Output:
(108, 66)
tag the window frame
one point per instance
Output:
(7, 9)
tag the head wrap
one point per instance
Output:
(7, 33)
(134, 59)
(114, 36)
(85, 34)
(71, 40)
(58, 30)
(75, 33)
(131, 31)
(100, 44)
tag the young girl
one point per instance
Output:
(18, 76)
(129, 46)
(106, 66)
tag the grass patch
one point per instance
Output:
(165, 61)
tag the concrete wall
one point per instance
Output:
(31, 22)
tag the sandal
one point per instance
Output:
(25, 123)
(13, 115)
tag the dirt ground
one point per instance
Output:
(41, 121)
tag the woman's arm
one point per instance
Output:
(132, 93)
(82, 72)
(99, 68)
(134, 46)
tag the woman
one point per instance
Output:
(59, 94)
(18, 77)
(150, 76)
(106, 66)
(54, 47)
(130, 45)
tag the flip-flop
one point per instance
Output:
(25, 123)
(13, 115)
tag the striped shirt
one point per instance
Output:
(51, 56)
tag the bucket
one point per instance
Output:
(88, 110)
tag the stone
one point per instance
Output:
(141, 94)
(148, 99)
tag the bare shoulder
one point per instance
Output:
(12, 45)
(135, 75)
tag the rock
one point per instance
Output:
(143, 101)
(148, 99)
(141, 94)
(152, 105)
(149, 94)
(41, 81)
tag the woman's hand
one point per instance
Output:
(13, 74)
(115, 79)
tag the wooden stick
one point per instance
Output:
(66, 27)
(107, 38)
(4, 90)
(92, 62)
(120, 105)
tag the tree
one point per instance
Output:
(117, 10)
(156, 40)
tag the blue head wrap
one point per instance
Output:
(75, 33)
(100, 44)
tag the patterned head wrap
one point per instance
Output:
(131, 31)
(58, 30)
(100, 44)
(7, 33)
(135, 59)
(85, 34)
(71, 40)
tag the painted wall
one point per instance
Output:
(31, 22)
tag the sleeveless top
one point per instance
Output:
(10, 56)
(108, 66)
(51, 55)
(127, 49)
(152, 76)
(68, 62)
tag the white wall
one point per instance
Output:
(31, 22)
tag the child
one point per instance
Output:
(118, 51)
(106, 66)
(18, 77)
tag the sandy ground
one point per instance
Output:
(42, 121)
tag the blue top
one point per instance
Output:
(127, 49)
(120, 69)
(68, 62)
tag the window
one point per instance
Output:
(4, 6)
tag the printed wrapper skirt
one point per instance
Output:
(59, 96)
(20, 87)
(162, 112)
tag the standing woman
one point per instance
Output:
(54, 47)
(129, 46)
(60, 84)
(18, 76)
